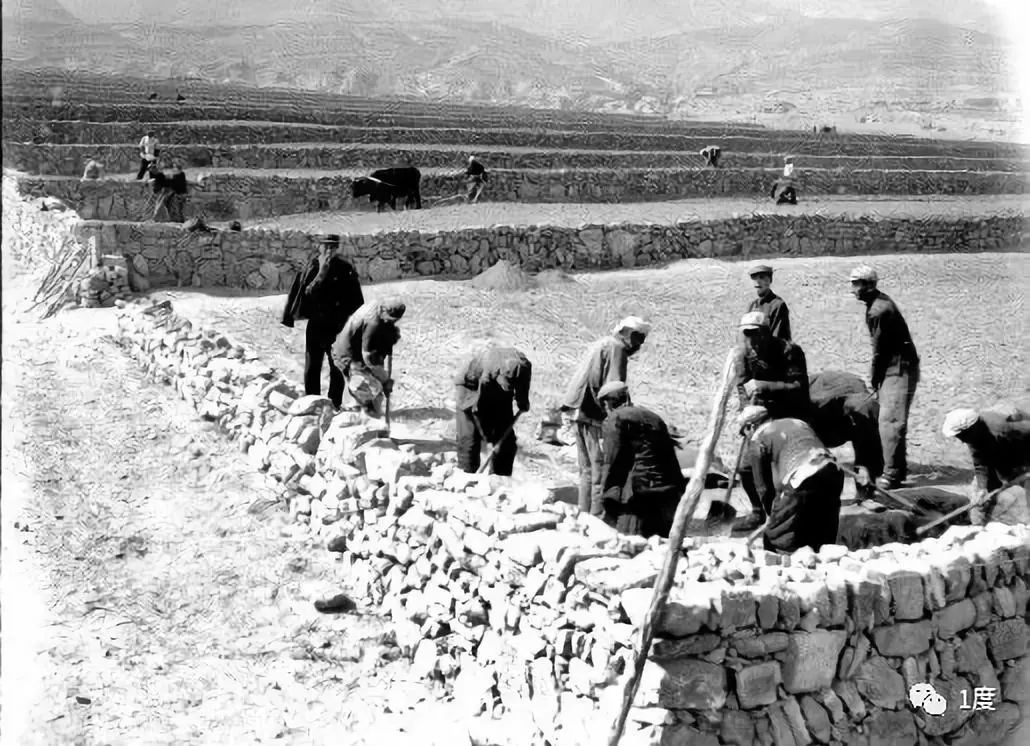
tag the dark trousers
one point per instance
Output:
(806, 515)
(144, 165)
(647, 513)
(588, 452)
(475, 188)
(896, 394)
(495, 423)
(318, 341)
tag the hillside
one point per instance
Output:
(767, 63)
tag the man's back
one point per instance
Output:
(1007, 447)
(606, 360)
(645, 434)
(364, 331)
(482, 371)
(786, 444)
(892, 341)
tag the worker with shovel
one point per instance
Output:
(362, 348)
(487, 385)
(1000, 448)
(638, 449)
(773, 374)
(796, 480)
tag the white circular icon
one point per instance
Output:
(935, 704)
(923, 696)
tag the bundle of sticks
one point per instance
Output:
(60, 278)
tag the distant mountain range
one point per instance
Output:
(737, 60)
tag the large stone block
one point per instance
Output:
(686, 684)
(1007, 639)
(955, 618)
(816, 719)
(906, 594)
(680, 618)
(811, 660)
(756, 685)
(880, 684)
(904, 639)
(888, 728)
(737, 729)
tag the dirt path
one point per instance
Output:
(147, 599)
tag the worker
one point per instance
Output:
(606, 361)
(148, 153)
(172, 191)
(796, 479)
(642, 481)
(475, 176)
(843, 411)
(768, 302)
(788, 167)
(93, 171)
(771, 372)
(711, 154)
(361, 349)
(1000, 448)
(487, 385)
(326, 294)
(894, 371)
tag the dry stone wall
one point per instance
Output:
(69, 160)
(228, 196)
(257, 258)
(527, 610)
(470, 133)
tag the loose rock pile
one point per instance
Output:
(527, 609)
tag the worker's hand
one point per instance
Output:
(752, 387)
(862, 476)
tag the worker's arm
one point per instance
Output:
(521, 386)
(374, 358)
(315, 276)
(617, 365)
(742, 376)
(984, 475)
(879, 334)
(796, 375)
(779, 321)
(618, 461)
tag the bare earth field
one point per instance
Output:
(484, 214)
(968, 316)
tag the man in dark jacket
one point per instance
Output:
(638, 449)
(772, 373)
(487, 385)
(797, 482)
(326, 294)
(999, 445)
(894, 371)
(711, 154)
(361, 349)
(475, 177)
(768, 302)
(606, 361)
(845, 411)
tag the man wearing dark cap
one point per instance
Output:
(999, 445)
(326, 294)
(894, 372)
(639, 449)
(605, 362)
(772, 373)
(797, 482)
(768, 302)
(487, 386)
(361, 349)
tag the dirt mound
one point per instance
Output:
(503, 276)
(552, 277)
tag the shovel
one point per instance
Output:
(720, 513)
(965, 508)
(493, 449)
(389, 376)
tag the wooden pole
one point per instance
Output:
(684, 512)
(389, 376)
(493, 449)
(969, 506)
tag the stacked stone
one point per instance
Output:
(104, 284)
(524, 607)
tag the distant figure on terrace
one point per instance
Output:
(475, 177)
(386, 185)
(94, 170)
(148, 153)
(711, 154)
(179, 97)
(152, 97)
(783, 190)
(171, 190)
(788, 167)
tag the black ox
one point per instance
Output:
(387, 185)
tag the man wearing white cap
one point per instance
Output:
(772, 373)
(894, 372)
(605, 362)
(1000, 449)
(796, 479)
(768, 302)
(638, 448)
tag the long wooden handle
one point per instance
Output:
(493, 449)
(389, 377)
(965, 508)
(684, 512)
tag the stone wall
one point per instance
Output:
(469, 134)
(258, 258)
(227, 196)
(69, 160)
(526, 610)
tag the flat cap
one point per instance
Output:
(865, 273)
(633, 324)
(754, 320)
(394, 309)
(759, 269)
(750, 415)
(959, 420)
(612, 389)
